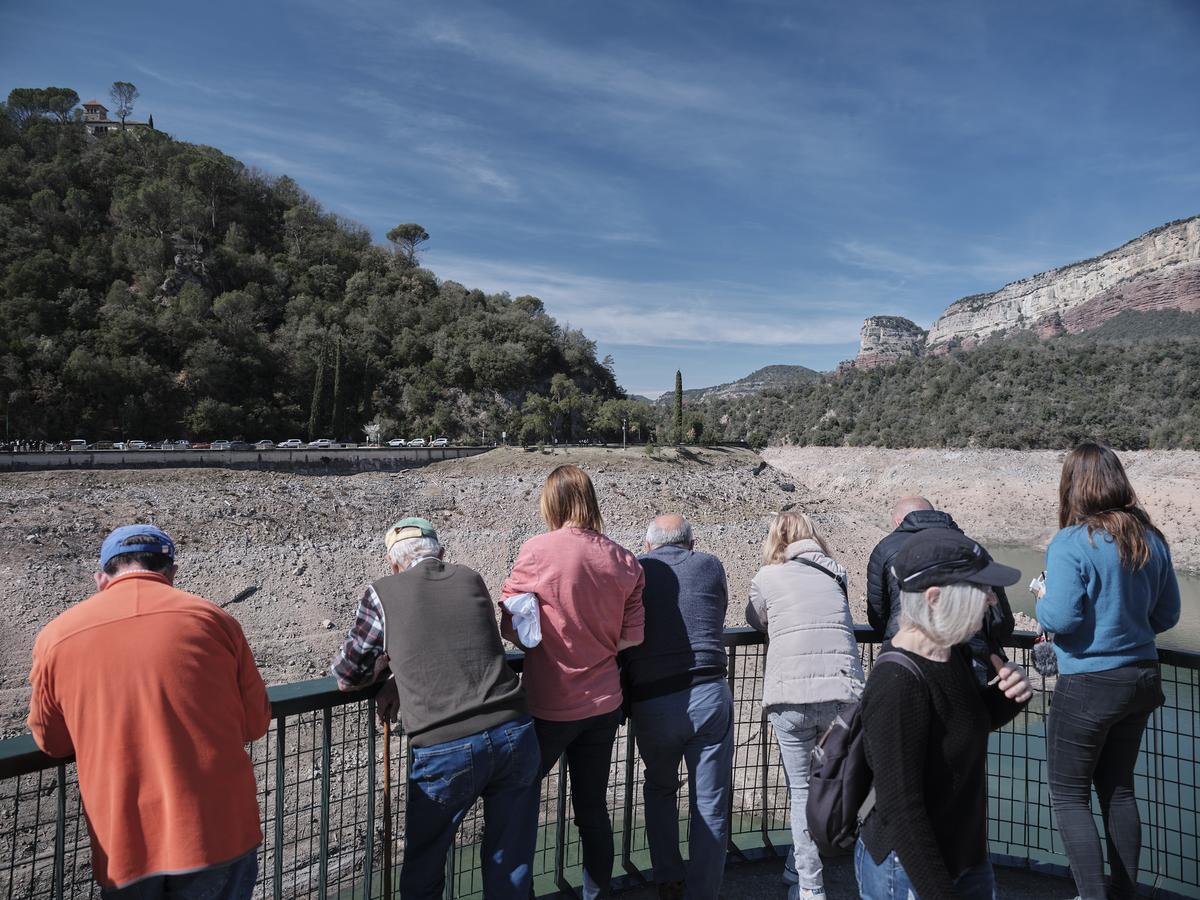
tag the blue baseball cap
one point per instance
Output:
(136, 539)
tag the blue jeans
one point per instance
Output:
(228, 881)
(588, 745)
(696, 726)
(797, 730)
(889, 881)
(501, 766)
(1093, 736)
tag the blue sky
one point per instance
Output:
(697, 185)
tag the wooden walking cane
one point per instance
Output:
(387, 809)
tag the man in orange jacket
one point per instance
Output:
(156, 693)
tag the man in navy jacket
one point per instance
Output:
(910, 515)
(682, 708)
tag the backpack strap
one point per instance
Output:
(905, 661)
(812, 565)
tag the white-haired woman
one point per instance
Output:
(926, 735)
(798, 598)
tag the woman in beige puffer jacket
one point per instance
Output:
(798, 599)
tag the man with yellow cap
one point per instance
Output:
(433, 624)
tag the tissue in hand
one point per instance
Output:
(524, 611)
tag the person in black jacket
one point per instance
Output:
(909, 516)
(926, 736)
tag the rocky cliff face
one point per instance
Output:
(885, 339)
(1159, 270)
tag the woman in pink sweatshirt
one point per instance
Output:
(589, 591)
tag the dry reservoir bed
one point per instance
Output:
(310, 543)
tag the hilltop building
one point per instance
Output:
(96, 120)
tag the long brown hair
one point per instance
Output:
(568, 499)
(787, 528)
(1095, 491)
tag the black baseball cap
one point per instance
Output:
(940, 556)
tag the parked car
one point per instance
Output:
(116, 445)
(291, 444)
(264, 444)
(238, 445)
(183, 445)
(396, 442)
(321, 444)
(220, 445)
(136, 445)
(202, 445)
(440, 442)
(104, 445)
(417, 442)
(77, 444)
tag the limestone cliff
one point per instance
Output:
(1159, 270)
(885, 339)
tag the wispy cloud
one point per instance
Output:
(979, 262)
(659, 314)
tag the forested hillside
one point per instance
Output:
(1134, 383)
(159, 289)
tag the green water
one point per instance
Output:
(1031, 561)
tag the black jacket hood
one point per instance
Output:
(927, 518)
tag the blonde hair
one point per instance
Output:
(954, 618)
(787, 528)
(568, 499)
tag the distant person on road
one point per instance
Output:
(433, 624)
(589, 596)
(911, 515)
(156, 693)
(682, 708)
(926, 734)
(1110, 588)
(798, 599)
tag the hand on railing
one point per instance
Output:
(387, 702)
(1011, 679)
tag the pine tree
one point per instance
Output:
(678, 407)
(150, 122)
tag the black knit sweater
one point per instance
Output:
(927, 746)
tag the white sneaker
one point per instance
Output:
(810, 894)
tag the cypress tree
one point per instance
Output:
(678, 407)
(314, 410)
(335, 416)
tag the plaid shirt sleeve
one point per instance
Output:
(354, 666)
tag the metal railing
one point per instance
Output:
(319, 780)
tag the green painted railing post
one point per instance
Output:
(627, 829)
(369, 849)
(560, 832)
(280, 776)
(765, 757)
(731, 677)
(323, 863)
(60, 836)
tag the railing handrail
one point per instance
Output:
(20, 755)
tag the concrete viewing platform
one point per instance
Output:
(761, 880)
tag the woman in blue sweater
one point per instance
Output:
(1110, 588)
